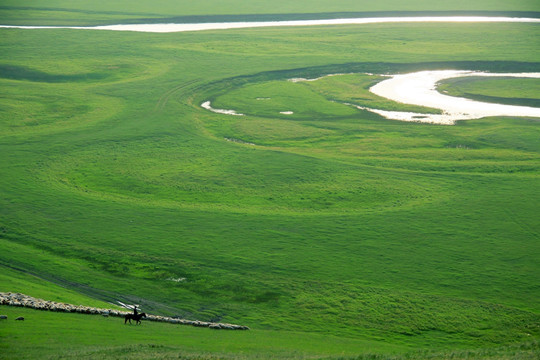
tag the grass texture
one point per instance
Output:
(331, 232)
(99, 12)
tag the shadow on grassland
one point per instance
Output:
(15, 72)
(155, 18)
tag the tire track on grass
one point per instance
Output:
(164, 99)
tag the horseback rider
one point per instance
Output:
(135, 316)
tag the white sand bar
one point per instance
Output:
(167, 28)
(419, 88)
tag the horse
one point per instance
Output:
(137, 318)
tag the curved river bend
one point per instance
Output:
(416, 88)
(419, 88)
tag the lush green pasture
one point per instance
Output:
(66, 12)
(510, 91)
(326, 231)
(58, 334)
(329, 98)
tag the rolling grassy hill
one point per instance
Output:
(330, 232)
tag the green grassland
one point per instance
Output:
(509, 91)
(63, 335)
(331, 232)
(66, 12)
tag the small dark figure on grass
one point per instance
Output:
(135, 316)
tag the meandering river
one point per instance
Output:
(419, 88)
(415, 88)
(167, 28)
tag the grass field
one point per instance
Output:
(66, 12)
(503, 91)
(66, 335)
(330, 232)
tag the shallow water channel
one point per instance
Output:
(167, 28)
(419, 88)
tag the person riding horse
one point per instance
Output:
(135, 316)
